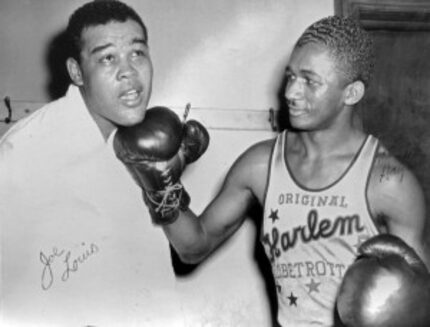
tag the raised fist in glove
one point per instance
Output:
(387, 286)
(156, 152)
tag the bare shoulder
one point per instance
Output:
(392, 184)
(258, 152)
(388, 170)
(251, 168)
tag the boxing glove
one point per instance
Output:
(156, 152)
(387, 286)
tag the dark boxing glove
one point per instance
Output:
(387, 286)
(156, 152)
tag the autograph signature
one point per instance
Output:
(70, 263)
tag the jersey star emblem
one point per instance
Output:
(273, 215)
(313, 286)
(293, 299)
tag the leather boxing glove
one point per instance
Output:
(155, 153)
(387, 286)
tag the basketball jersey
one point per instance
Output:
(311, 236)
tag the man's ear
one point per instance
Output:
(354, 92)
(75, 72)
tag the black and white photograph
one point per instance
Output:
(215, 163)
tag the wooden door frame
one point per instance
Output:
(387, 14)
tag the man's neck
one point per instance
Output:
(325, 143)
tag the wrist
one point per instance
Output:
(164, 205)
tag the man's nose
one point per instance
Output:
(126, 69)
(293, 90)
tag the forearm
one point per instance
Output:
(426, 255)
(415, 239)
(423, 251)
(188, 237)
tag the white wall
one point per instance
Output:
(221, 56)
(223, 53)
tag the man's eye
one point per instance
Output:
(290, 77)
(107, 59)
(311, 82)
(138, 53)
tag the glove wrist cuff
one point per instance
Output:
(164, 205)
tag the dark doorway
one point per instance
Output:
(397, 106)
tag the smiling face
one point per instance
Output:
(315, 89)
(114, 73)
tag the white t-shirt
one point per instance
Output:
(78, 245)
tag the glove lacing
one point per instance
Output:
(170, 198)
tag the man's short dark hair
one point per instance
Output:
(98, 12)
(350, 45)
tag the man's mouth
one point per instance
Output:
(131, 98)
(294, 111)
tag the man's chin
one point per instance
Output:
(133, 119)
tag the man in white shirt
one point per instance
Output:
(76, 246)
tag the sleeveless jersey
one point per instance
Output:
(311, 236)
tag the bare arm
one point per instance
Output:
(397, 200)
(194, 238)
